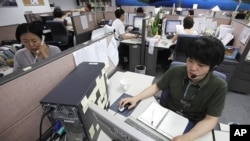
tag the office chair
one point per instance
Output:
(60, 34)
(182, 43)
(164, 94)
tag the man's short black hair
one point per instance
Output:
(119, 12)
(188, 22)
(139, 10)
(207, 50)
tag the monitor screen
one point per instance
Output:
(113, 127)
(170, 26)
(137, 22)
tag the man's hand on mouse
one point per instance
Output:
(129, 100)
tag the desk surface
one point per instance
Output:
(161, 43)
(136, 41)
(138, 83)
(6, 70)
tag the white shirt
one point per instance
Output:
(119, 29)
(182, 31)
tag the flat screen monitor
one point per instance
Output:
(170, 26)
(113, 127)
(137, 22)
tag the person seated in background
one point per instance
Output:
(120, 35)
(241, 15)
(188, 23)
(193, 90)
(59, 15)
(30, 35)
(139, 10)
(87, 8)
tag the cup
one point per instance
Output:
(125, 84)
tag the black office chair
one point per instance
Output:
(60, 34)
(164, 94)
(182, 43)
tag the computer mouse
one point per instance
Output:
(122, 109)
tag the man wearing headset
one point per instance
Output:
(194, 91)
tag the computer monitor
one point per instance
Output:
(113, 127)
(137, 22)
(170, 26)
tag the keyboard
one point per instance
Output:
(142, 129)
(135, 31)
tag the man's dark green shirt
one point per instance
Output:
(206, 97)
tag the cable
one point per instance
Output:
(41, 121)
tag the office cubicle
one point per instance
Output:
(83, 25)
(22, 91)
(30, 17)
(240, 79)
(8, 33)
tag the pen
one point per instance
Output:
(152, 119)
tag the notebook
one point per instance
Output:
(163, 120)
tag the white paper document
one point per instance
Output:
(221, 136)
(84, 22)
(163, 120)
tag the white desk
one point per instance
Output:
(6, 70)
(138, 83)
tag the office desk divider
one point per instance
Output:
(83, 24)
(21, 92)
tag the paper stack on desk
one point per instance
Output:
(163, 120)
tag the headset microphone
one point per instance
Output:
(194, 76)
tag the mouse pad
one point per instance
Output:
(115, 106)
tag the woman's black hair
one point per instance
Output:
(35, 27)
(207, 50)
(119, 12)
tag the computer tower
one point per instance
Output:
(69, 101)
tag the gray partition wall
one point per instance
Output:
(21, 93)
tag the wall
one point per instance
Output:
(15, 15)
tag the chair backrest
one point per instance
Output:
(164, 94)
(182, 43)
(59, 31)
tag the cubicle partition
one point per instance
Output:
(239, 27)
(99, 17)
(109, 15)
(240, 80)
(8, 33)
(30, 17)
(21, 93)
(83, 25)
